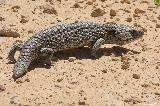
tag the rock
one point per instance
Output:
(97, 12)
(138, 11)
(112, 13)
(49, 10)
(4, 32)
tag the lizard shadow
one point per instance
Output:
(82, 53)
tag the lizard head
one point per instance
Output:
(126, 34)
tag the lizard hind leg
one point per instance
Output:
(16, 47)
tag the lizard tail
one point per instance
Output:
(21, 66)
(13, 51)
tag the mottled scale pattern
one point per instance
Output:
(72, 35)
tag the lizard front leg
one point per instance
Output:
(48, 53)
(13, 51)
(96, 46)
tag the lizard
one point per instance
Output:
(69, 36)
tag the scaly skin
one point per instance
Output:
(69, 36)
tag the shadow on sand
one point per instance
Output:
(82, 53)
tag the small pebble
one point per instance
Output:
(103, 0)
(15, 8)
(138, 11)
(30, 31)
(27, 80)
(59, 0)
(157, 25)
(24, 19)
(2, 88)
(60, 79)
(59, 19)
(104, 71)
(81, 103)
(136, 76)
(158, 17)
(2, 19)
(18, 81)
(129, 19)
(81, 1)
(145, 85)
(145, 1)
(76, 5)
(89, 2)
(126, 1)
(136, 59)
(157, 93)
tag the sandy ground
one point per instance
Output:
(77, 79)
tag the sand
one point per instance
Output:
(75, 78)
